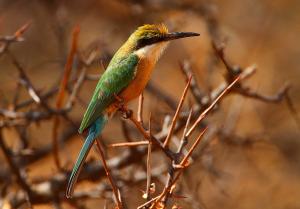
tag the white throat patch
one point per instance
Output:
(152, 52)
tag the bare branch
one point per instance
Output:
(108, 174)
(140, 108)
(207, 110)
(16, 37)
(167, 140)
(129, 144)
(149, 164)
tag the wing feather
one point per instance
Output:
(117, 77)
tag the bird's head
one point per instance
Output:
(151, 40)
(147, 35)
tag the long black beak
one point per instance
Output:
(177, 35)
(168, 37)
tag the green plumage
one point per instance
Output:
(118, 75)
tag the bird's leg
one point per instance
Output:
(119, 99)
(121, 106)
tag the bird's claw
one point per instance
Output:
(118, 98)
(120, 104)
(122, 107)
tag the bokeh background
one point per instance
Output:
(258, 169)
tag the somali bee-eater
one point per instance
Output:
(125, 77)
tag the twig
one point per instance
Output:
(167, 140)
(183, 165)
(129, 115)
(129, 144)
(140, 108)
(108, 174)
(16, 37)
(32, 90)
(183, 141)
(147, 203)
(25, 118)
(14, 168)
(232, 71)
(185, 159)
(278, 97)
(175, 161)
(25, 81)
(203, 114)
(125, 131)
(76, 89)
(185, 67)
(61, 95)
(68, 68)
(16, 96)
(149, 164)
(171, 179)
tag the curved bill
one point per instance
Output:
(177, 35)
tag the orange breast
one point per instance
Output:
(136, 87)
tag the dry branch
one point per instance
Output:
(16, 37)
(61, 95)
(109, 176)
(174, 120)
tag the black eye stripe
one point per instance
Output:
(148, 41)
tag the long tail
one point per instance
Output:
(94, 131)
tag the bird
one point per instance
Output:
(126, 76)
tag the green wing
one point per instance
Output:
(117, 76)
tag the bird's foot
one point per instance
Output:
(118, 98)
(121, 106)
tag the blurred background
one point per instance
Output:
(256, 165)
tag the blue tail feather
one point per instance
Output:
(94, 131)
